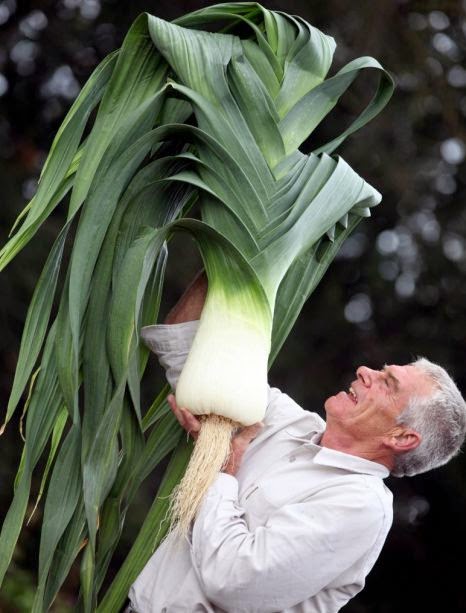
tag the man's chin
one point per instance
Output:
(336, 405)
(331, 405)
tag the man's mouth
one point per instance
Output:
(352, 395)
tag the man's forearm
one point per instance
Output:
(189, 306)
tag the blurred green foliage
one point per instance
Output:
(18, 590)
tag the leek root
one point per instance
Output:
(211, 453)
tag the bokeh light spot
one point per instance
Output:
(457, 76)
(61, 83)
(3, 84)
(453, 150)
(359, 309)
(453, 247)
(388, 242)
(438, 20)
(405, 285)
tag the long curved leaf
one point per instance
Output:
(37, 321)
(62, 499)
(44, 408)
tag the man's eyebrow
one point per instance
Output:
(391, 376)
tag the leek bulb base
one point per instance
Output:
(211, 453)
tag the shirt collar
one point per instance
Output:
(331, 457)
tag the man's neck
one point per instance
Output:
(339, 441)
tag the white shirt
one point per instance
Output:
(297, 530)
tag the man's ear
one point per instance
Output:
(402, 439)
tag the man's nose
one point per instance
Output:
(366, 375)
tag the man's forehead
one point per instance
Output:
(402, 368)
(409, 373)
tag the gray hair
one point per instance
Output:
(440, 419)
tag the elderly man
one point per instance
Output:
(300, 514)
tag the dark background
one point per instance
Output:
(397, 289)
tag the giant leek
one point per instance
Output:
(265, 204)
(206, 115)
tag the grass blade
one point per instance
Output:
(37, 321)
(54, 443)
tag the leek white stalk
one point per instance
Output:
(226, 370)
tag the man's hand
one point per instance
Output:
(187, 420)
(239, 442)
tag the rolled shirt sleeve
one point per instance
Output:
(171, 343)
(300, 550)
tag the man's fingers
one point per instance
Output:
(172, 402)
(192, 423)
(186, 419)
(175, 409)
(180, 414)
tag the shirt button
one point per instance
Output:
(292, 458)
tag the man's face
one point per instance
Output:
(372, 404)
